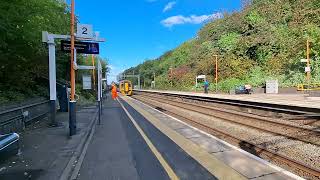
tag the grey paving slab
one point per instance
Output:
(211, 145)
(243, 164)
(174, 124)
(189, 133)
(274, 176)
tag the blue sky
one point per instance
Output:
(137, 30)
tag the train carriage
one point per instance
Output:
(125, 87)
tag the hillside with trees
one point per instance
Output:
(265, 40)
(24, 58)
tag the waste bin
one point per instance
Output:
(63, 98)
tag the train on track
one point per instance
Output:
(125, 87)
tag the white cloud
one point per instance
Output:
(114, 72)
(169, 6)
(193, 19)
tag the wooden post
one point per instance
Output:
(216, 73)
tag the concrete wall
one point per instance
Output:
(281, 91)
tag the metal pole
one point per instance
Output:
(196, 83)
(216, 77)
(171, 77)
(308, 63)
(93, 73)
(154, 79)
(139, 81)
(72, 108)
(52, 81)
(72, 71)
(99, 90)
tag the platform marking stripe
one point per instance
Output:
(154, 150)
(209, 162)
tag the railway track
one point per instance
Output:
(279, 108)
(307, 135)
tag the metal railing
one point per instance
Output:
(15, 119)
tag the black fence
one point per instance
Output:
(15, 119)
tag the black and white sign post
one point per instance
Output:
(52, 77)
(49, 39)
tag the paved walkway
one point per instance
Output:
(46, 151)
(117, 151)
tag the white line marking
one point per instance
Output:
(158, 155)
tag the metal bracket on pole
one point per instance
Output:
(85, 67)
(136, 76)
(45, 36)
(75, 65)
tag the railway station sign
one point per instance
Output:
(81, 47)
(84, 31)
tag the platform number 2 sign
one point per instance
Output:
(84, 31)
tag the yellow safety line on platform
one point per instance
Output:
(162, 161)
(208, 161)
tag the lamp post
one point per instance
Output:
(72, 71)
(72, 104)
(216, 72)
(171, 76)
(308, 63)
(154, 79)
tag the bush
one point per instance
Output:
(228, 84)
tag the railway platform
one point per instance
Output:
(127, 146)
(133, 141)
(136, 141)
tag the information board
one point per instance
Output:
(81, 47)
(86, 82)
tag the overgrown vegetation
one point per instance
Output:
(266, 40)
(24, 58)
